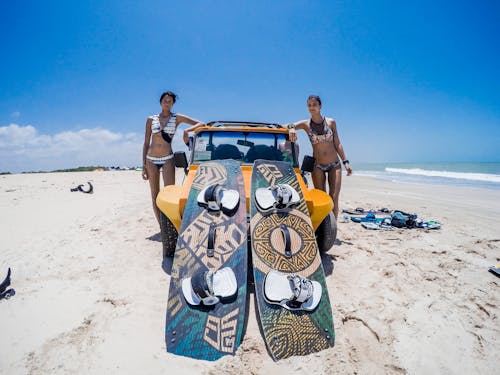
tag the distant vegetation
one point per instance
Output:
(80, 169)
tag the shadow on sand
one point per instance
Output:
(155, 237)
(327, 261)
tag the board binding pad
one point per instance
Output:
(200, 331)
(298, 332)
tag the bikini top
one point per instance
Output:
(168, 131)
(316, 138)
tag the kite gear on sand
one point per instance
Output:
(90, 189)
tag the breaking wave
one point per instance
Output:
(485, 177)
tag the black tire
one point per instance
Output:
(326, 233)
(168, 235)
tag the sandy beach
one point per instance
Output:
(91, 287)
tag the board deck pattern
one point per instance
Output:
(209, 332)
(287, 333)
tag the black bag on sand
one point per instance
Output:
(400, 219)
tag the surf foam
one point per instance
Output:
(456, 175)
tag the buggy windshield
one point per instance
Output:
(245, 147)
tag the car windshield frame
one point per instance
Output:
(244, 146)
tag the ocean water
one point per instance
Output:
(483, 175)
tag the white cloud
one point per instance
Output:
(23, 148)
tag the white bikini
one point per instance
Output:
(167, 134)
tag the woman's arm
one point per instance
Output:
(190, 121)
(186, 119)
(190, 129)
(145, 148)
(339, 147)
(293, 127)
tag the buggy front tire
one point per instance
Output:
(168, 235)
(326, 233)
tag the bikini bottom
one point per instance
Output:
(159, 161)
(328, 167)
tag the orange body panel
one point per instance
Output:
(318, 202)
(242, 129)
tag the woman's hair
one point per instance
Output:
(318, 99)
(169, 93)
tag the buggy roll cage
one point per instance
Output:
(223, 123)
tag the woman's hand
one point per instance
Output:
(348, 168)
(292, 135)
(144, 173)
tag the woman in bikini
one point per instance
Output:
(327, 148)
(157, 151)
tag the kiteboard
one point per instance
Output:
(293, 306)
(208, 287)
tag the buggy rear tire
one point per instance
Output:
(326, 233)
(168, 235)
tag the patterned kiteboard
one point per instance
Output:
(209, 332)
(287, 333)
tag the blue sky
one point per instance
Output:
(406, 81)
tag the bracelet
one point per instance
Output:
(291, 126)
(346, 161)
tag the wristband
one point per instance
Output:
(346, 161)
(291, 126)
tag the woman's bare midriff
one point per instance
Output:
(159, 147)
(325, 153)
